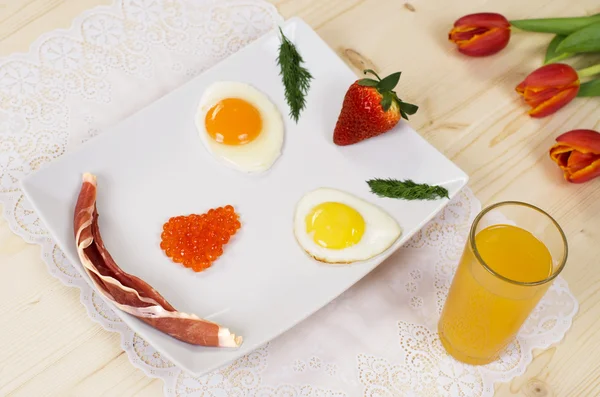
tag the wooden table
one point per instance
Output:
(469, 111)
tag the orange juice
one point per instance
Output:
(483, 311)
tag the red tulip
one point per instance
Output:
(480, 34)
(577, 153)
(549, 88)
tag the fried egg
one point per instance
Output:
(333, 226)
(240, 126)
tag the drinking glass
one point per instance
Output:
(495, 289)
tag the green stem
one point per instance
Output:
(558, 58)
(373, 72)
(589, 71)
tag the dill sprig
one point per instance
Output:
(406, 189)
(296, 78)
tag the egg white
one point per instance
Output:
(257, 155)
(381, 230)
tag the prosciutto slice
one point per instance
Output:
(130, 293)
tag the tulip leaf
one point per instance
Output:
(551, 55)
(562, 26)
(591, 88)
(583, 40)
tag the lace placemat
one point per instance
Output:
(116, 59)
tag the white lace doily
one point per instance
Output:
(117, 59)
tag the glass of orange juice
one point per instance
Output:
(513, 253)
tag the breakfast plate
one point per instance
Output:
(155, 165)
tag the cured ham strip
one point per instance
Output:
(130, 293)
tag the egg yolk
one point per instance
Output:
(335, 225)
(233, 121)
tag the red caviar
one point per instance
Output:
(197, 240)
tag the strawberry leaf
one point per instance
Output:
(386, 101)
(389, 82)
(368, 82)
(408, 108)
(386, 87)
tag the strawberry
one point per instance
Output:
(371, 107)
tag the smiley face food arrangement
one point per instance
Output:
(241, 128)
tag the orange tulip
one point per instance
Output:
(577, 153)
(549, 88)
(480, 34)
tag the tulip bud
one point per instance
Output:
(480, 34)
(577, 153)
(549, 88)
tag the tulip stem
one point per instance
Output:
(589, 71)
(558, 58)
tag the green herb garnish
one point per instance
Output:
(406, 189)
(296, 78)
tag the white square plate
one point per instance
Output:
(153, 165)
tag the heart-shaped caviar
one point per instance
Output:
(196, 241)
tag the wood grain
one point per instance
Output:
(49, 346)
